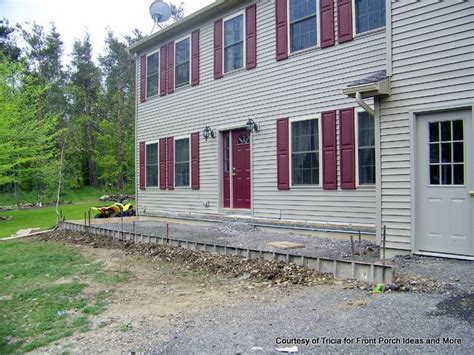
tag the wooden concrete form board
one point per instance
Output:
(286, 245)
(340, 269)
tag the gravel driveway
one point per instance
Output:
(325, 313)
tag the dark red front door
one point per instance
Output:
(241, 169)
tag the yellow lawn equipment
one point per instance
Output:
(115, 210)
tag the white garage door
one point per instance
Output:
(445, 183)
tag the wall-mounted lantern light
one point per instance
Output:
(251, 126)
(208, 133)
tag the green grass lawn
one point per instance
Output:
(36, 309)
(83, 194)
(45, 218)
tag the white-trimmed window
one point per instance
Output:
(365, 148)
(181, 163)
(368, 15)
(303, 26)
(182, 62)
(234, 42)
(152, 74)
(305, 152)
(447, 158)
(152, 165)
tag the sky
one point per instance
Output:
(74, 17)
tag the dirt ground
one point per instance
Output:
(141, 311)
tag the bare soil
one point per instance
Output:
(141, 310)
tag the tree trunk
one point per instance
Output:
(91, 166)
(60, 181)
(17, 192)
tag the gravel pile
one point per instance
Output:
(441, 273)
(404, 283)
(459, 306)
(243, 235)
(257, 270)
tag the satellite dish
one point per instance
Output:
(160, 11)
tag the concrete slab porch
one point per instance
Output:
(343, 259)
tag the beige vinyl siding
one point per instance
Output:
(433, 66)
(307, 83)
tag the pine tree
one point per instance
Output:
(118, 67)
(8, 45)
(85, 90)
(43, 54)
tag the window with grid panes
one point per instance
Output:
(305, 152)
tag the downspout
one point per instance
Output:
(136, 131)
(364, 105)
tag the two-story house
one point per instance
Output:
(333, 112)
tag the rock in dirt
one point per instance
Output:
(25, 232)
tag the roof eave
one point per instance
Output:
(379, 88)
(178, 27)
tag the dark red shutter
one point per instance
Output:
(344, 20)
(347, 138)
(218, 49)
(195, 58)
(195, 161)
(170, 67)
(283, 154)
(251, 33)
(281, 16)
(163, 163)
(143, 78)
(142, 166)
(326, 14)
(329, 150)
(170, 162)
(163, 69)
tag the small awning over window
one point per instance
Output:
(377, 84)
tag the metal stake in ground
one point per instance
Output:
(352, 247)
(383, 243)
(121, 220)
(383, 252)
(359, 237)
